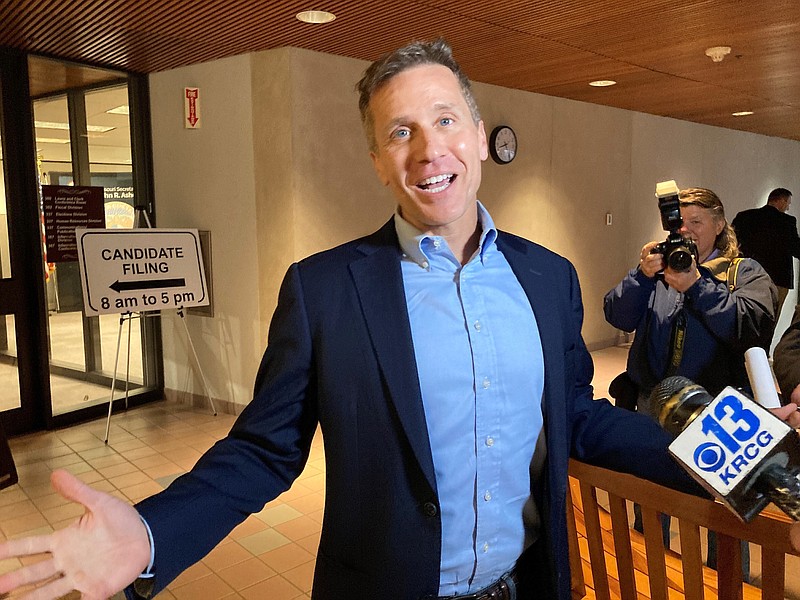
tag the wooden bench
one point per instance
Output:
(609, 560)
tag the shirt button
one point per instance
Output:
(487, 496)
(486, 383)
(490, 441)
(425, 264)
(477, 325)
(485, 546)
(430, 510)
(437, 243)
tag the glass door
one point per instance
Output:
(83, 139)
(72, 125)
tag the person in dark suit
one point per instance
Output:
(442, 359)
(786, 360)
(786, 364)
(769, 235)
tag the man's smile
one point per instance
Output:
(431, 184)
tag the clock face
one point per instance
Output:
(503, 144)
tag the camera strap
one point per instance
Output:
(678, 339)
(733, 271)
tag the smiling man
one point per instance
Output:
(428, 147)
(442, 359)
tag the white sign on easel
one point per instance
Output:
(135, 270)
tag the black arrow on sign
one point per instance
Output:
(146, 284)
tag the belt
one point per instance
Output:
(504, 588)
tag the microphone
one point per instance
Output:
(735, 448)
(761, 380)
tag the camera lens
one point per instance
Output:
(680, 259)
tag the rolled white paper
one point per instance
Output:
(761, 379)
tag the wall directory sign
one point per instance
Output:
(138, 270)
(64, 208)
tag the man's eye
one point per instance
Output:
(446, 121)
(400, 134)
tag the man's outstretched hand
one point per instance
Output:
(98, 555)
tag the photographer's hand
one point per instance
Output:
(650, 264)
(682, 280)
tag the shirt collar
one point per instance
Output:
(714, 254)
(411, 238)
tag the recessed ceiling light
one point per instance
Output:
(602, 83)
(742, 113)
(315, 16)
(717, 53)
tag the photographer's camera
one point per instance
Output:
(677, 250)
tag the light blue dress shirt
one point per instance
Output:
(481, 373)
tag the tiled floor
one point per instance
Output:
(268, 557)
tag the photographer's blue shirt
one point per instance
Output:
(481, 374)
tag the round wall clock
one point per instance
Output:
(503, 144)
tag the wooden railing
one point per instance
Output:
(609, 560)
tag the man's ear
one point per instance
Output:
(376, 164)
(483, 145)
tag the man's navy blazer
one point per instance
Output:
(769, 236)
(340, 355)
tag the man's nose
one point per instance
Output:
(429, 145)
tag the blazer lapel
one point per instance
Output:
(379, 284)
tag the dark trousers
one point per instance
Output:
(665, 524)
(535, 575)
(711, 557)
(8, 473)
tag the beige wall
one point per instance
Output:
(205, 178)
(280, 170)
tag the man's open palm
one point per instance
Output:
(98, 555)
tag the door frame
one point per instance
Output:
(23, 294)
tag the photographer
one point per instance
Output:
(696, 322)
(691, 322)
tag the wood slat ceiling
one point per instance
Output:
(653, 48)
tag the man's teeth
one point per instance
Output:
(444, 177)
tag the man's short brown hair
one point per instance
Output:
(437, 52)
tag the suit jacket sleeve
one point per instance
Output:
(794, 239)
(264, 452)
(610, 437)
(786, 359)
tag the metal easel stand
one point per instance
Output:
(129, 316)
(182, 315)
